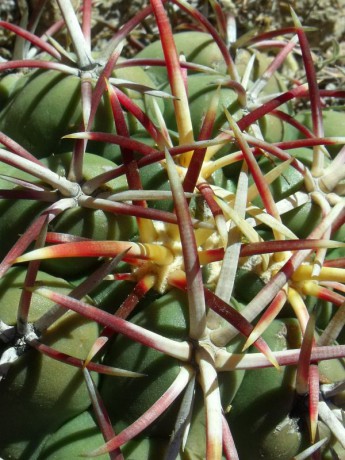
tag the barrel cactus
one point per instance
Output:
(172, 243)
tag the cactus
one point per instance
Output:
(172, 244)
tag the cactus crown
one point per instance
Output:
(204, 217)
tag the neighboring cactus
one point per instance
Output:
(196, 223)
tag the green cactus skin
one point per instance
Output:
(40, 392)
(127, 399)
(266, 417)
(9, 85)
(296, 219)
(133, 397)
(37, 106)
(333, 119)
(87, 223)
(197, 47)
(201, 89)
(80, 435)
(261, 414)
(41, 112)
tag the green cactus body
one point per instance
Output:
(81, 434)
(39, 108)
(39, 394)
(41, 112)
(82, 222)
(9, 85)
(261, 413)
(197, 47)
(201, 89)
(208, 256)
(128, 399)
(332, 120)
(168, 313)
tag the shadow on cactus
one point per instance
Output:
(172, 256)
